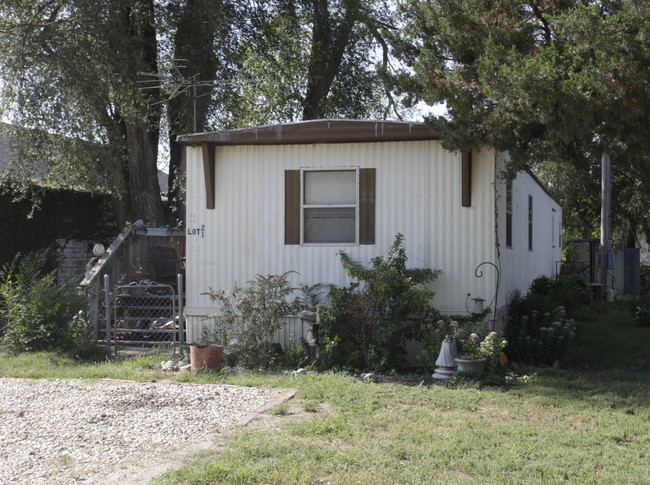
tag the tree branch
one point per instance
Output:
(546, 27)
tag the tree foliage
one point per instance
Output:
(578, 188)
(73, 72)
(202, 37)
(70, 72)
(310, 59)
(553, 80)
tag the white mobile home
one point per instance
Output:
(275, 198)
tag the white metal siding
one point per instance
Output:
(520, 266)
(418, 194)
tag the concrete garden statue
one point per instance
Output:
(446, 365)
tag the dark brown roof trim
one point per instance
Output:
(317, 131)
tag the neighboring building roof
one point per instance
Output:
(33, 170)
(316, 131)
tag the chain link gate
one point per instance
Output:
(143, 314)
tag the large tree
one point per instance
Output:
(310, 59)
(547, 80)
(578, 188)
(73, 72)
(204, 45)
(69, 74)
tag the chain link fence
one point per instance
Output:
(143, 314)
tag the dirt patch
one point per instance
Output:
(142, 470)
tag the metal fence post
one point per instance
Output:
(107, 305)
(181, 319)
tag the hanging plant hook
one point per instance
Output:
(478, 272)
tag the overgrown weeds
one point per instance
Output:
(248, 317)
(36, 313)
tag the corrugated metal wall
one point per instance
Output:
(418, 194)
(519, 265)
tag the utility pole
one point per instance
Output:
(604, 218)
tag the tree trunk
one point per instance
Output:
(144, 189)
(201, 24)
(328, 46)
(136, 114)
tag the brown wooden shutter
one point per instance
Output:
(466, 179)
(208, 174)
(367, 190)
(292, 207)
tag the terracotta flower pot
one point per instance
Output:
(473, 367)
(205, 356)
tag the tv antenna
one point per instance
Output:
(176, 84)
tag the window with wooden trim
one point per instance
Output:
(330, 206)
(530, 222)
(509, 213)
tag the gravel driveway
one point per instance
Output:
(74, 431)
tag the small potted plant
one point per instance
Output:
(205, 354)
(470, 360)
(476, 354)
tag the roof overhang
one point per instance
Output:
(316, 131)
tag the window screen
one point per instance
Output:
(330, 206)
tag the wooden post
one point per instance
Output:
(604, 218)
(208, 174)
(107, 304)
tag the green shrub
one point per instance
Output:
(538, 331)
(310, 296)
(250, 315)
(540, 338)
(545, 294)
(342, 334)
(571, 292)
(36, 313)
(542, 285)
(645, 279)
(520, 306)
(364, 326)
(296, 355)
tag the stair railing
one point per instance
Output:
(108, 264)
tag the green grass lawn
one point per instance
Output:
(588, 424)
